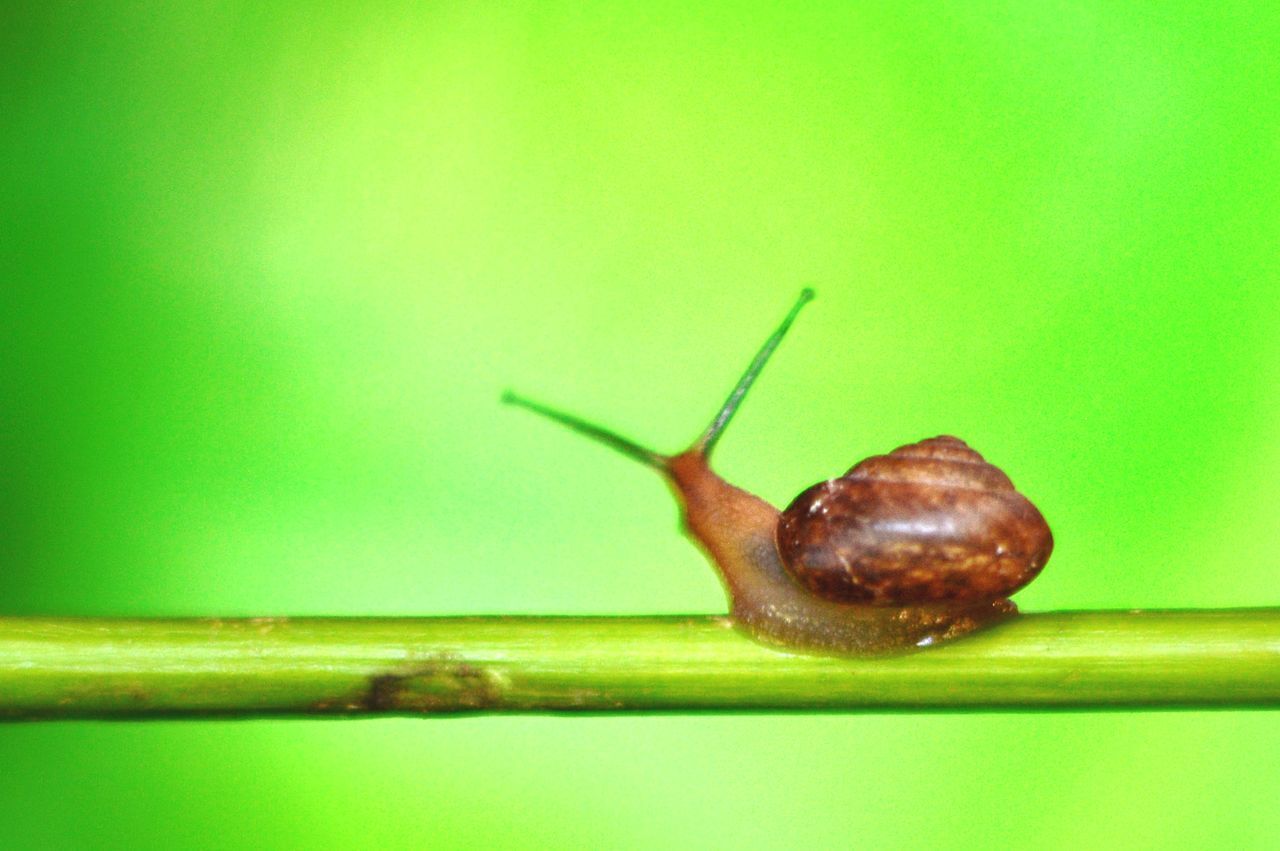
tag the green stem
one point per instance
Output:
(109, 668)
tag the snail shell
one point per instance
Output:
(931, 522)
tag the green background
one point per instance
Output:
(267, 270)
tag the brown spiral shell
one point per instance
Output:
(929, 522)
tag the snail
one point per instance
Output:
(908, 549)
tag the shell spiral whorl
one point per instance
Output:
(929, 522)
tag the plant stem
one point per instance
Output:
(114, 668)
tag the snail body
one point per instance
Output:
(918, 546)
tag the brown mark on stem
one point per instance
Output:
(439, 685)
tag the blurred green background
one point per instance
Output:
(265, 271)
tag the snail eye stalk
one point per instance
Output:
(730, 407)
(708, 439)
(597, 433)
